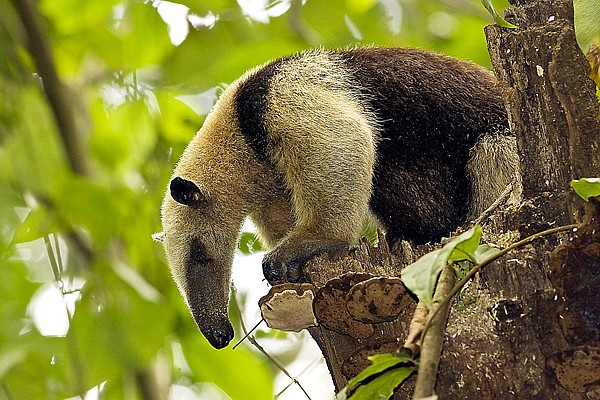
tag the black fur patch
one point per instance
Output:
(432, 109)
(197, 256)
(251, 106)
(204, 280)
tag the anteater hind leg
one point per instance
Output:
(322, 143)
(493, 165)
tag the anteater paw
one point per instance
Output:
(286, 262)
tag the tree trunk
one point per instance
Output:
(528, 326)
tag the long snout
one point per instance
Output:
(200, 259)
(208, 302)
(206, 288)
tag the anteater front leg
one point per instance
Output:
(324, 147)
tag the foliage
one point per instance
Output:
(249, 243)
(586, 15)
(586, 187)
(497, 17)
(140, 81)
(421, 276)
(381, 378)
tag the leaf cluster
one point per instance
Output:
(463, 252)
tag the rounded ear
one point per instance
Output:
(186, 192)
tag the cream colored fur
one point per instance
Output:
(314, 114)
(310, 204)
(494, 164)
(312, 110)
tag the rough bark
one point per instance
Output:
(345, 355)
(549, 96)
(532, 326)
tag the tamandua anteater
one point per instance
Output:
(309, 145)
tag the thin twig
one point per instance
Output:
(275, 361)
(53, 262)
(72, 291)
(71, 344)
(278, 364)
(431, 347)
(61, 267)
(255, 327)
(306, 369)
(426, 384)
(503, 252)
(500, 200)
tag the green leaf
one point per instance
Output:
(100, 210)
(484, 252)
(34, 358)
(249, 243)
(370, 231)
(586, 187)
(379, 363)
(36, 225)
(481, 254)
(17, 292)
(497, 17)
(178, 121)
(31, 155)
(115, 328)
(123, 152)
(383, 386)
(12, 214)
(464, 246)
(76, 16)
(461, 268)
(421, 276)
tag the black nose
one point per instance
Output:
(219, 337)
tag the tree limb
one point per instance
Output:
(56, 92)
(433, 339)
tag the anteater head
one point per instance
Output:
(199, 249)
(216, 184)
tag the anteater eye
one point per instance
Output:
(186, 192)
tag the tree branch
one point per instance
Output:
(56, 92)
(433, 339)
